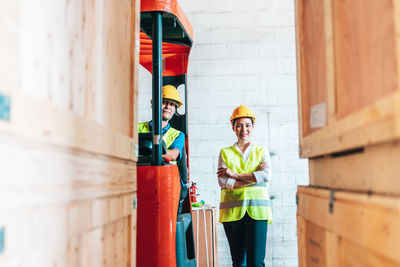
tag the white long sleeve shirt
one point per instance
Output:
(261, 176)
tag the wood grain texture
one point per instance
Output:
(377, 123)
(34, 173)
(69, 65)
(68, 164)
(312, 52)
(301, 241)
(365, 47)
(369, 221)
(76, 55)
(57, 241)
(372, 170)
(361, 53)
(326, 248)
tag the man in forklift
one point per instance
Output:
(174, 139)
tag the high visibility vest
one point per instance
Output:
(253, 198)
(169, 136)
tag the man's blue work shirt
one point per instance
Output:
(178, 143)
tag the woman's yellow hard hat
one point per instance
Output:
(170, 92)
(242, 112)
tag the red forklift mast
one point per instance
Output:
(164, 237)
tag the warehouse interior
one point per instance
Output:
(322, 78)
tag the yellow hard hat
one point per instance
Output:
(170, 92)
(242, 112)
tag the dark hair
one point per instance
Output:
(252, 120)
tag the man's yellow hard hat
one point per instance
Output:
(170, 92)
(242, 112)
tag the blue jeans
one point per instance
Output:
(247, 240)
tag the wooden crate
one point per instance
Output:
(348, 67)
(68, 92)
(372, 169)
(205, 236)
(347, 229)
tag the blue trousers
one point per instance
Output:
(247, 240)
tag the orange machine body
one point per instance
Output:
(175, 56)
(158, 197)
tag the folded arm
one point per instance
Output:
(228, 179)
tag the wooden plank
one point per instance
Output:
(369, 221)
(299, 68)
(396, 11)
(117, 65)
(59, 126)
(374, 124)
(135, 48)
(313, 56)
(69, 175)
(369, 170)
(330, 62)
(301, 241)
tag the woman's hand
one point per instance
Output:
(262, 166)
(226, 172)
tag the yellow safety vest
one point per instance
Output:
(169, 136)
(253, 198)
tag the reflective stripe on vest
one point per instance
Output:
(169, 136)
(253, 198)
(245, 203)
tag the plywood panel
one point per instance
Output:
(68, 167)
(370, 222)
(35, 173)
(77, 56)
(325, 248)
(58, 200)
(365, 47)
(372, 169)
(313, 69)
(362, 70)
(46, 228)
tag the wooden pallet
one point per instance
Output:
(347, 229)
(348, 66)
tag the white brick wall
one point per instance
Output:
(244, 53)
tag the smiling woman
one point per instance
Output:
(245, 211)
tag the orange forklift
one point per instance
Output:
(164, 235)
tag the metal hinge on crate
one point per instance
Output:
(297, 199)
(331, 200)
